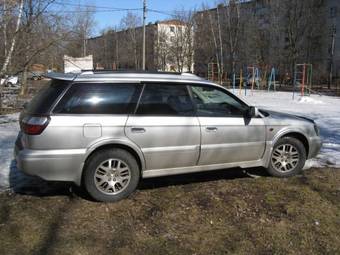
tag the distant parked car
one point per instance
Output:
(107, 130)
(10, 81)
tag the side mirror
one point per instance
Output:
(252, 112)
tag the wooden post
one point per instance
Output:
(253, 80)
(234, 81)
(241, 81)
(303, 80)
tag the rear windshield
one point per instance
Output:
(44, 100)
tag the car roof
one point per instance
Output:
(127, 76)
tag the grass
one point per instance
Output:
(224, 212)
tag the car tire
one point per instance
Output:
(111, 175)
(288, 158)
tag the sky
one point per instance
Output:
(105, 18)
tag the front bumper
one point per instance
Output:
(51, 165)
(315, 144)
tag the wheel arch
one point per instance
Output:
(297, 135)
(131, 148)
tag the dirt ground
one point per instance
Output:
(208, 213)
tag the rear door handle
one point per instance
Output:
(138, 130)
(211, 129)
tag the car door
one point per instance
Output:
(165, 127)
(227, 135)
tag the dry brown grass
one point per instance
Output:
(211, 213)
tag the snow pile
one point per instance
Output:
(324, 110)
(309, 100)
(8, 131)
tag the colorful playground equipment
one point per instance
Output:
(212, 72)
(303, 75)
(249, 76)
(272, 79)
(253, 77)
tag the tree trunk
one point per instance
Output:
(14, 39)
(23, 90)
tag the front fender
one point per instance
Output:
(279, 134)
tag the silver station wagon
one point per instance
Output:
(107, 130)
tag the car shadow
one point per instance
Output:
(33, 186)
(200, 177)
(20, 183)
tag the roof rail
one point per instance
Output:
(108, 71)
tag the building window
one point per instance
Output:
(333, 12)
(172, 29)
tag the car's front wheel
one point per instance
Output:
(111, 175)
(288, 157)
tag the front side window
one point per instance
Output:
(212, 102)
(167, 100)
(99, 99)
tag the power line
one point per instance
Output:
(162, 12)
(97, 7)
(86, 11)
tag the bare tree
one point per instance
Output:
(8, 57)
(130, 22)
(233, 18)
(162, 50)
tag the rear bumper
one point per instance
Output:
(51, 165)
(315, 144)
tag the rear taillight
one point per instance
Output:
(33, 125)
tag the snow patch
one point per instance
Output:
(309, 100)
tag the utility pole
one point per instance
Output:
(144, 18)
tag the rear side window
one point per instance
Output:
(93, 98)
(163, 99)
(45, 99)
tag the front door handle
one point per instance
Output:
(211, 129)
(137, 130)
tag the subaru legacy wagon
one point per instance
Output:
(107, 130)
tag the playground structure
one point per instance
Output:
(303, 74)
(251, 78)
(214, 75)
(272, 79)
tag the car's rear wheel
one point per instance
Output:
(288, 157)
(111, 175)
